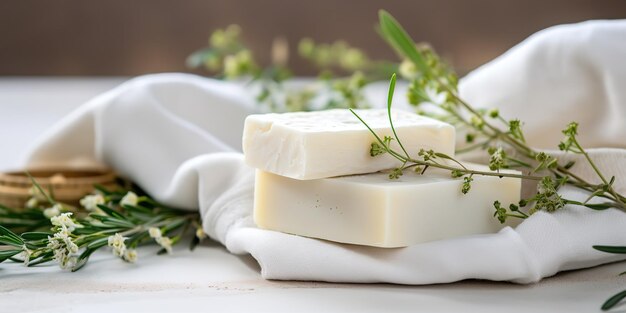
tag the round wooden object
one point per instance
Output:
(67, 185)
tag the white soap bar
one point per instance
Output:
(373, 210)
(311, 145)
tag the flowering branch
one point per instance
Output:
(120, 220)
(432, 81)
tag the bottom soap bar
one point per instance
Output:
(373, 210)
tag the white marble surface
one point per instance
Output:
(212, 280)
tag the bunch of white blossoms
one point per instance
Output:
(53, 211)
(91, 202)
(129, 199)
(61, 243)
(120, 250)
(164, 241)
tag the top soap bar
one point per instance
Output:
(321, 144)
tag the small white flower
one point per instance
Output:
(200, 234)
(53, 211)
(91, 202)
(154, 232)
(117, 243)
(231, 66)
(63, 248)
(129, 199)
(26, 253)
(130, 255)
(32, 203)
(408, 70)
(71, 246)
(68, 262)
(166, 243)
(64, 220)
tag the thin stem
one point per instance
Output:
(469, 171)
(392, 86)
(593, 165)
(595, 168)
(473, 147)
(517, 215)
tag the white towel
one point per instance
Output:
(178, 136)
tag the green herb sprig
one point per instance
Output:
(507, 147)
(344, 71)
(434, 82)
(68, 235)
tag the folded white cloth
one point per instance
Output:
(178, 136)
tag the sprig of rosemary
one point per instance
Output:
(69, 235)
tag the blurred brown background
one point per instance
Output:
(124, 37)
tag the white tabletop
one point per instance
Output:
(210, 279)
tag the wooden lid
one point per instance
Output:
(68, 185)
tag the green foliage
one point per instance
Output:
(123, 223)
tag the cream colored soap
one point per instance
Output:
(311, 145)
(375, 211)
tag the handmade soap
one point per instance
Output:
(311, 145)
(373, 210)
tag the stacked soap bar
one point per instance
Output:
(373, 210)
(311, 145)
(315, 177)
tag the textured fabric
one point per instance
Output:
(178, 136)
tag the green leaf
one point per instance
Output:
(80, 263)
(43, 258)
(400, 40)
(109, 222)
(173, 225)
(7, 233)
(36, 184)
(614, 300)
(599, 206)
(111, 212)
(35, 235)
(137, 238)
(137, 208)
(194, 243)
(447, 157)
(11, 241)
(102, 189)
(5, 254)
(98, 243)
(84, 257)
(611, 249)
(34, 245)
(392, 87)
